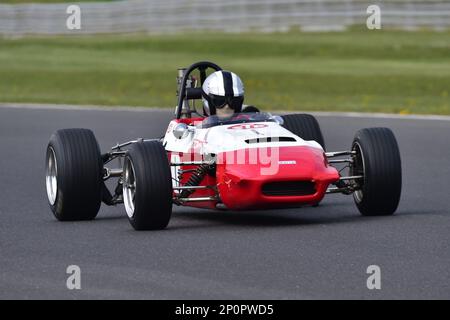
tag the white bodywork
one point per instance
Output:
(223, 138)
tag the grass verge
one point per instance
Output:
(358, 70)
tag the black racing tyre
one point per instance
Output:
(74, 175)
(147, 186)
(377, 158)
(305, 126)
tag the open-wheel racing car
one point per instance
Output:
(249, 160)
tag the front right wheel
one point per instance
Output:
(147, 186)
(73, 175)
(376, 158)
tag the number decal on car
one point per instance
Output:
(248, 126)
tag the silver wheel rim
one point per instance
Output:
(358, 194)
(51, 176)
(129, 187)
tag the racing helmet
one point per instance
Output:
(222, 88)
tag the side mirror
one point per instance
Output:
(181, 130)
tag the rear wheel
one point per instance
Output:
(73, 174)
(377, 158)
(147, 186)
(305, 126)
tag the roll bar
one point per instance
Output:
(193, 93)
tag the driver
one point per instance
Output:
(222, 94)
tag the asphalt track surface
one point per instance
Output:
(307, 253)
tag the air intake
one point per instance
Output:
(289, 188)
(270, 139)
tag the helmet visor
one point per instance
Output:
(220, 101)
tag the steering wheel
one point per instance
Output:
(202, 66)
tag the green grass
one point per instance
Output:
(376, 71)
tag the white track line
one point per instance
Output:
(37, 106)
(380, 115)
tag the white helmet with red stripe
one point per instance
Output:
(220, 89)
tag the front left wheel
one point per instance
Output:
(377, 159)
(147, 186)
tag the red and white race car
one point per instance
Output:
(252, 160)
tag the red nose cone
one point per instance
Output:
(273, 177)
